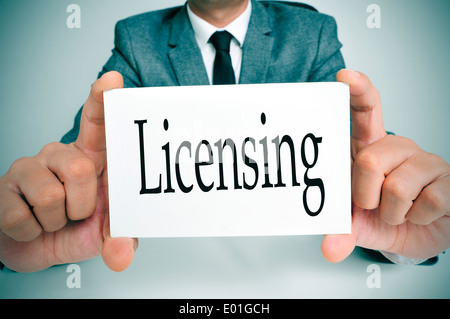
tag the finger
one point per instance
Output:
(78, 175)
(91, 138)
(335, 248)
(365, 105)
(432, 203)
(117, 252)
(44, 193)
(368, 230)
(16, 219)
(373, 163)
(404, 184)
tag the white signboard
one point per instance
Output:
(235, 160)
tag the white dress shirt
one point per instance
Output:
(204, 30)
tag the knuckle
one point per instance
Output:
(401, 140)
(50, 195)
(398, 188)
(436, 160)
(21, 164)
(367, 161)
(50, 148)
(13, 219)
(80, 169)
(435, 199)
(17, 225)
(410, 143)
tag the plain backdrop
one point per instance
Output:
(46, 70)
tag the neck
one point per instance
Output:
(219, 13)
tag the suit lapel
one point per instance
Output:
(257, 47)
(185, 56)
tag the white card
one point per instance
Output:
(234, 160)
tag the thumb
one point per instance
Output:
(117, 252)
(336, 248)
(365, 104)
(367, 128)
(91, 138)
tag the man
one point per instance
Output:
(54, 206)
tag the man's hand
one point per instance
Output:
(401, 194)
(54, 206)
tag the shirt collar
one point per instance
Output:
(204, 30)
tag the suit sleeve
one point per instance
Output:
(122, 60)
(328, 59)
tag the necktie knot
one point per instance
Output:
(221, 40)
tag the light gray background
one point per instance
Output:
(46, 71)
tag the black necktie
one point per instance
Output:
(223, 69)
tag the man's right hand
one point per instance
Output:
(54, 206)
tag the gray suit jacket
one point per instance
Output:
(284, 43)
